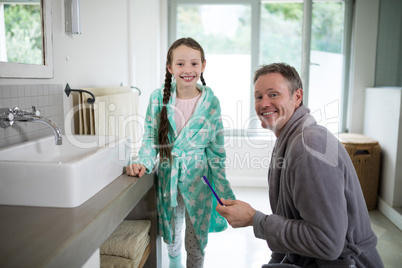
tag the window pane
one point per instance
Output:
(224, 32)
(326, 81)
(21, 36)
(281, 33)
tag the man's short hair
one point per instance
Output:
(287, 71)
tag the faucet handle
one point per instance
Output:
(6, 117)
(6, 113)
(20, 112)
(10, 117)
(35, 111)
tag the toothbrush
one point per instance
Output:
(210, 187)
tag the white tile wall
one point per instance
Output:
(47, 98)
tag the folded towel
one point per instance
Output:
(129, 240)
(117, 115)
(108, 261)
(114, 113)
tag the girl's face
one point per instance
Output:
(186, 67)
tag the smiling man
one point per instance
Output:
(319, 216)
(276, 97)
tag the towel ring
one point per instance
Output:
(68, 90)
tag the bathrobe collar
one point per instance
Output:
(172, 104)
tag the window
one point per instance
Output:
(21, 32)
(237, 36)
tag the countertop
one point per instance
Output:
(67, 237)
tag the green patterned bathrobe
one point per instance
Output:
(198, 150)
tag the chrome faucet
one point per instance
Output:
(8, 117)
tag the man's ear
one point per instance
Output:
(298, 95)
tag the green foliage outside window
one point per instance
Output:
(327, 29)
(23, 33)
(190, 25)
(327, 22)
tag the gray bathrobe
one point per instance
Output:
(319, 214)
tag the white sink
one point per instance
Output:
(40, 173)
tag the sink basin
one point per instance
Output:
(40, 173)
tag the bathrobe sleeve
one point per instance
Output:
(216, 155)
(149, 151)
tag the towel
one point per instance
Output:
(114, 113)
(129, 241)
(85, 124)
(108, 261)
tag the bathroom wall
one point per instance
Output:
(47, 98)
(114, 48)
(97, 57)
(389, 49)
(363, 59)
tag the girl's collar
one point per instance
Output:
(174, 87)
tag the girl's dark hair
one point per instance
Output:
(165, 147)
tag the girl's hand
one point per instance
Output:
(136, 170)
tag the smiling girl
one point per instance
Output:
(183, 124)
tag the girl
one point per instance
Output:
(183, 125)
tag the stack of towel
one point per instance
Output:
(127, 246)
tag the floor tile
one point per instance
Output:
(238, 248)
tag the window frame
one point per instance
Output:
(255, 49)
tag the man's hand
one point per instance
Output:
(135, 170)
(236, 212)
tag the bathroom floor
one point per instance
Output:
(238, 248)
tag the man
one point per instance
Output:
(319, 217)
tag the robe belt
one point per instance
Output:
(357, 249)
(344, 259)
(350, 250)
(179, 168)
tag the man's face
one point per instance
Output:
(274, 104)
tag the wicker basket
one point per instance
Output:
(365, 155)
